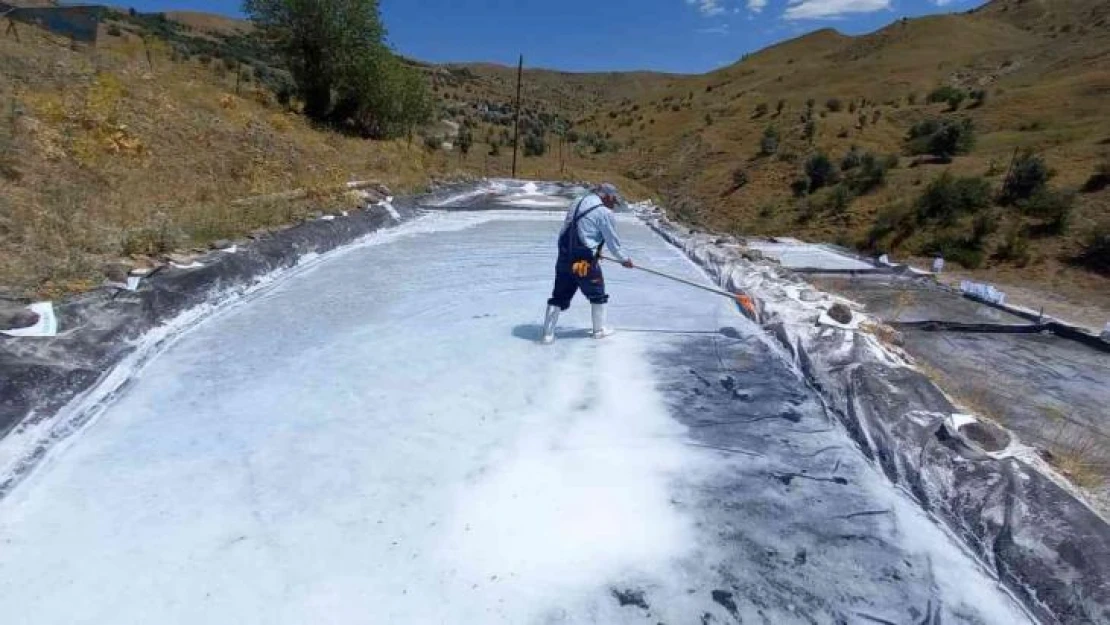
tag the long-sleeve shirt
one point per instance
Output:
(597, 226)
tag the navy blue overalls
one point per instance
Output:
(577, 266)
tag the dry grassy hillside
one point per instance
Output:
(109, 154)
(1042, 69)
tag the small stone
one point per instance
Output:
(809, 296)
(15, 316)
(841, 314)
(221, 244)
(987, 436)
(180, 259)
(116, 272)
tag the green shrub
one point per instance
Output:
(769, 144)
(892, 225)
(984, 225)
(953, 96)
(870, 173)
(957, 249)
(834, 105)
(1053, 208)
(1095, 254)
(739, 178)
(838, 199)
(947, 197)
(534, 145)
(978, 98)
(821, 172)
(941, 138)
(1015, 248)
(851, 159)
(466, 139)
(1098, 180)
(1028, 176)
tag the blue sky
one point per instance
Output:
(580, 35)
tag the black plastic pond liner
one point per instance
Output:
(1046, 545)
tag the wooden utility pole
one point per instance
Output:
(516, 131)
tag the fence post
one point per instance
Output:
(1009, 170)
(11, 30)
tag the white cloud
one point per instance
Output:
(707, 7)
(755, 6)
(721, 29)
(825, 9)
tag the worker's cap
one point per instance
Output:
(609, 189)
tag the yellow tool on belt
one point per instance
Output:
(581, 268)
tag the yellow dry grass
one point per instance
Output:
(104, 153)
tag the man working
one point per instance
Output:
(588, 227)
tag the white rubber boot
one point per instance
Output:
(549, 322)
(600, 330)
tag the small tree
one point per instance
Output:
(955, 99)
(820, 171)
(465, 140)
(1099, 180)
(1028, 176)
(870, 173)
(852, 159)
(1096, 249)
(1053, 208)
(946, 94)
(943, 139)
(534, 145)
(769, 144)
(739, 178)
(947, 197)
(810, 131)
